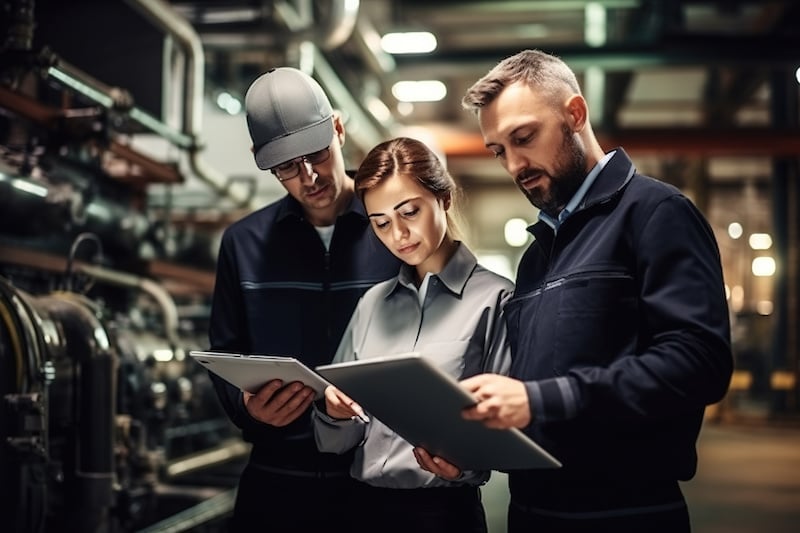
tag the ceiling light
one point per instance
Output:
(764, 307)
(405, 108)
(515, 232)
(378, 109)
(760, 241)
(763, 266)
(419, 91)
(411, 42)
(228, 15)
(737, 298)
(595, 24)
(228, 103)
(735, 230)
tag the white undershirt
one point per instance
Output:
(326, 234)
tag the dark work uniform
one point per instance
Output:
(279, 291)
(619, 329)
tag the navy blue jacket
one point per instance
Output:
(278, 291)
(619, 326)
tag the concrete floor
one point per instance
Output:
(748, 481)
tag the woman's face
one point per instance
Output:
(410, 221)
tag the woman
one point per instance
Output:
(442, 305)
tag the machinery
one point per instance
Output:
(105, 424)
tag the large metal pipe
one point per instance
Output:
(166, 18)
(224, 452)
(329, 31)
(111, 98)
(335, 29)
(93, 399)
(189, 519)
(23, 417)
(167, 305)
(62, 205)
(60, 345)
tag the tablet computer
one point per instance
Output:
(251, 372)
(423, 404)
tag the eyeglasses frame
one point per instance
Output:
(298, 161)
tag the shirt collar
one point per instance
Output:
(454, 275)
(578, 197)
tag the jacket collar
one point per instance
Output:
(612, 179)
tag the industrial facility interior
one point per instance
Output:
(124, 154)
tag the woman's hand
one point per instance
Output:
(339, 405)
(436, 465)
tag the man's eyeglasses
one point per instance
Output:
(291, 169)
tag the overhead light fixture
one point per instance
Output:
(410, 42)
(595, 24)
(405, 108)
(515, 232)
(760, 241)
(764, 307)
(737, 298)
(419, 91)
(226, 15)
(378, 109)
(735, 230)
(763, 266)
(228, 103)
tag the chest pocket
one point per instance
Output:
(530, 336)
(449, 356)
(596, 320)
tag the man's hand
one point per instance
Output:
(502, 401)
(277, 405)
(436, 465)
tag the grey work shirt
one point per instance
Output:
(459, 326)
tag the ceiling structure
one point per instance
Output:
(665, 66)
(702, 94)
(663, 78)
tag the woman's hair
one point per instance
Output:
(410, 157)
(539, 70)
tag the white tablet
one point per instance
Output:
(423, 404)
(251, 372)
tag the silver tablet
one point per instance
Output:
(423, 405)
(251, 372)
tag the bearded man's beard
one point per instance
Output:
(569, 173)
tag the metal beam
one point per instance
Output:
(704, 142)
(736, 51)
